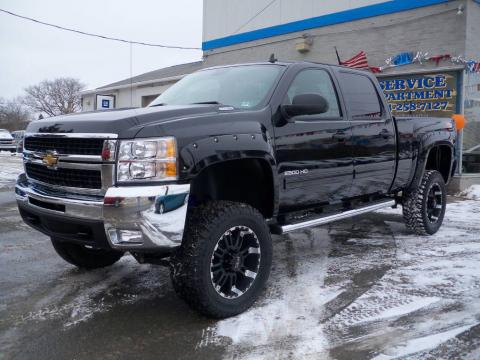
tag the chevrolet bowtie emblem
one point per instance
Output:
(50, 160)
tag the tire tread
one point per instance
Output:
(185, 263)
(413, 205)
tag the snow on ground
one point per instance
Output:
(271, 325)
(366, 289)
(473, 193)
(363, 288)
(93, 292)
(10, 167)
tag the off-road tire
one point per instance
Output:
(191, 264)
(85, 258)
(415, 205)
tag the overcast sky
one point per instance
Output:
(30, 53)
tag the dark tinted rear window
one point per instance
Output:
(360, 96)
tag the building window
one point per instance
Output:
(471, 132)
(146, 100)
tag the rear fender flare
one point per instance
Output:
(422, 160)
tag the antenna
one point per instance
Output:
(131, 74)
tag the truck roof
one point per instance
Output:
(286, 63)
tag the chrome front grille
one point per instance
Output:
(89, 179)
(67, 146)
(71, 163)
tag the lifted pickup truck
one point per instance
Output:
(201, 178)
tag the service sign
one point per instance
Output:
(421, 95)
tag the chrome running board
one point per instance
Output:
(335, 217)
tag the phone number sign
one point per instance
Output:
(421, 95)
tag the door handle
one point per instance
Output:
(339, 136)
(385, 134)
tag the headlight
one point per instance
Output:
(147, 160)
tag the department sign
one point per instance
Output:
(421, 95)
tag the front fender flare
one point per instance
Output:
(206, 152)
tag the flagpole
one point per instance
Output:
(338, 56)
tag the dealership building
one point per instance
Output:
(426, 54)
(138, 91)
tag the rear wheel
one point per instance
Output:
(424, 208)
(225, 259)
(85, 258)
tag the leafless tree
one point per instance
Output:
(55, 97)
(14, 115)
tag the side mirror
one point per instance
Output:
(306, 104)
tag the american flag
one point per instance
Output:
(473, 66)
(359, 61)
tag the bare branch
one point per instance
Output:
(14, 115)
(55, 97)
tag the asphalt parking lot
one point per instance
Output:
(359, 289)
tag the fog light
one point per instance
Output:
(125, 237)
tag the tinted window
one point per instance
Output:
(314, 81)
(360, 96)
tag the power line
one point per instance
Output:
(96, 35)
(255, 16)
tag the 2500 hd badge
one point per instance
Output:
(296, 172)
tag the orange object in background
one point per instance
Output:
(459, 121)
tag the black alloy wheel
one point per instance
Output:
(235, 262)
(434, 202)
(225, 258)
(424, 207)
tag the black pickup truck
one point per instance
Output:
(201, 178)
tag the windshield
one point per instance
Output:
(239, 86)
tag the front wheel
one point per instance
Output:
(424, 208)
(160, 209)
(225, 259)
(85, 258)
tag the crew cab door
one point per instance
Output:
(374, 141)
(313, 152)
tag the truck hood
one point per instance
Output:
(5, 136)
(125, 123)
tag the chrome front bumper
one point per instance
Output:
(136, 218)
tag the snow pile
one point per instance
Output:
(473, 193)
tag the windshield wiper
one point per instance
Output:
(206, 103)
(161, 104)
